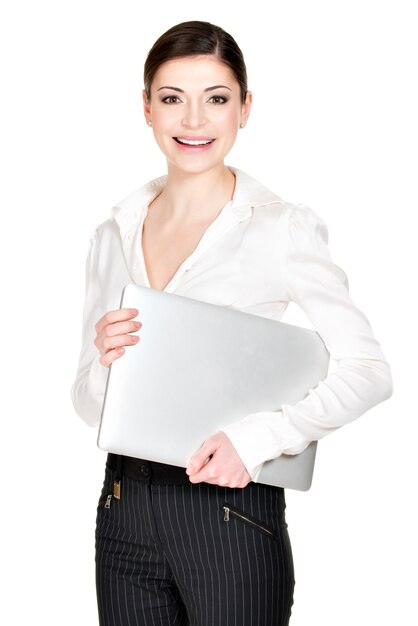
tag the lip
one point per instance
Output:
(194, 137)
(188, 148)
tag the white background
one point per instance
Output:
(333, 126)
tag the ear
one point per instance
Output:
(246, 107)
(147, 105)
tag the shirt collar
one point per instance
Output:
(248, 193)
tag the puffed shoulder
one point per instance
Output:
(94, 235)
(94, 252)
(307, 259)
(99, 229)
(98, 237)
(304, 221)
(92, 246)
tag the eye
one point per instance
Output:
(170, 99)
(218, 99)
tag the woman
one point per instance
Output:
(165, 551)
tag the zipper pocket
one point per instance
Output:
(247, 519)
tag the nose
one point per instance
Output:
(194, 116)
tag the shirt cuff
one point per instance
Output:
(259, 437)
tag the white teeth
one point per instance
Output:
(194, 142)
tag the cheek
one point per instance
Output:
(163, 119)
(228, 121)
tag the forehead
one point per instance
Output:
(193, 72)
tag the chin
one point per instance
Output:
(194, 165)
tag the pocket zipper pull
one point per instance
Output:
(116, 489)
(226, 514)
(108, 501)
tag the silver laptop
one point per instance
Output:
(199, 366)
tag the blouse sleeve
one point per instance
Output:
(87, 392)
(359, 376)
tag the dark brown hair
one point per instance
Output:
(193, 38)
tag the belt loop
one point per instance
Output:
(118, 477)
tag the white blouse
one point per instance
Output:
(259, 254)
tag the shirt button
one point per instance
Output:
(145, 469)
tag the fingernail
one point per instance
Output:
(190, 469)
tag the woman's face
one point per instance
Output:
(196, 111)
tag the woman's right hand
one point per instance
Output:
(113, 333)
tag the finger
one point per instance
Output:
(122, 328)
(205, 474)
(200, 457)
(110, 343)
(108, 358)
(115, 316)
(195, 469)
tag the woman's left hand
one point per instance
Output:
(224, 468)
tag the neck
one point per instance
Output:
(189, 197)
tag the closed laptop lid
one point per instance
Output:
(199, 366)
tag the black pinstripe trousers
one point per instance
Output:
(191, 554)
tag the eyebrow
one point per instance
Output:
(207, 88)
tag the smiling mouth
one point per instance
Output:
(193, 142)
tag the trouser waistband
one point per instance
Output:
(147, 471)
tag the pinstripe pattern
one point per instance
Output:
(166, 556)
